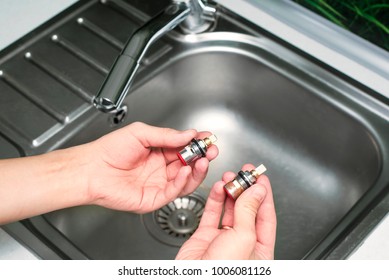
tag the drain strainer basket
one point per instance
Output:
(174, 223)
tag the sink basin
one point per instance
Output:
(323, 140)
(321, 160)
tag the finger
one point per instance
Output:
(203, 134)
(266, 217)
(172, 169)
(248, 167)
(246, 208)
(199, 171)
(175, 187)
(214, 206)
(171, 155)
(228, 216)
(212, 152)
(228, 176)
(152, 136)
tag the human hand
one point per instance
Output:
(136, 168)
(248, 225)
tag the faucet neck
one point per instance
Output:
(189, 14)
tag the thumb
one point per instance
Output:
(247, 206)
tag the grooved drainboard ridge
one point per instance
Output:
(50, 83)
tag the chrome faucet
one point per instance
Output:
(191, 14)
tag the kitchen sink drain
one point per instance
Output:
(174, 223)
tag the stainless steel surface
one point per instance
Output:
(8, 150)
(121, 76)
(10, 249)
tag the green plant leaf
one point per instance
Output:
(326, 12)
(330, 8)
(377, 6)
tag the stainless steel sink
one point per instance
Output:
(321, 159)
(324, 142)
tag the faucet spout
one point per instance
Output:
(119, 80)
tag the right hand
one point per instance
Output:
(248, 226)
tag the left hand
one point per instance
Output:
(136, 168)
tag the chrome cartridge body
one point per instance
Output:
(196, 149)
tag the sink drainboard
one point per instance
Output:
(174, 223)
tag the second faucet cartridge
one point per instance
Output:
(243, 181)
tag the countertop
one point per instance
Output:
(13, 13)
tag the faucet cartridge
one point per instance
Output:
(243, 181)
(196, 149)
